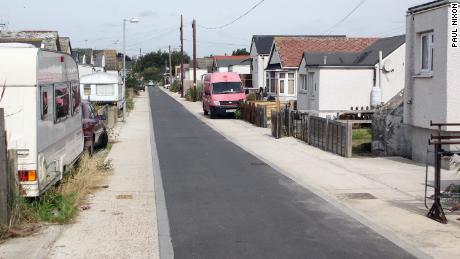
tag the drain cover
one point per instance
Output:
(359, 196)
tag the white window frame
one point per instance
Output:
(430, 48)
(303, 81)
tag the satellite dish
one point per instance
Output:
(388, 66)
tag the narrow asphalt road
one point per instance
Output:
(223, 202)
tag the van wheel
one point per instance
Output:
(104, 140)
(212, 114)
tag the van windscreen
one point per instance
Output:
(226, 88)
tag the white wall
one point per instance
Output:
(199, 72)
(393, 82)
(426, 97)
(240, 69)
(222, 69)
(340, 89)
(308, 99)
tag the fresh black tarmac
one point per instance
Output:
(222, 202)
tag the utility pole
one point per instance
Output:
(170, 66)
(181, 57)
(140, 53)
(194, 60)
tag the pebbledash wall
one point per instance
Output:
(430, 96)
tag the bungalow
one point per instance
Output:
(260, 52)
(286, 54)
(325, 78)
(432, 74)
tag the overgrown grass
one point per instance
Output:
(61, 203)
(191, 94)
(362, 141)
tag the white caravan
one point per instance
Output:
(102, 87)
(41, 100)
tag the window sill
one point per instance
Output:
(303, 91)
(424, 75)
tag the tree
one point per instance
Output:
(240, 52)
(152, 65)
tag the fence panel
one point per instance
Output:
(329, 135)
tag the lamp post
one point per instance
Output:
(131, 20)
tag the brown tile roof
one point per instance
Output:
(291, 49)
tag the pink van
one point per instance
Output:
(222, 93)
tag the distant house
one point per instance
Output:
(237, 64)
(432, 74)
(203, 66)
(222, 63)
(341, 80)
(286, 55)
(41, 39)
(83, 56)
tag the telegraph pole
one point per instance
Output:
(181, 57)
(170, 66)
(194, 60)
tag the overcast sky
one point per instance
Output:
(98, 24)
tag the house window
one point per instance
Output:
(45, 96)
(105, 90)
(291, 83)
(282, 86)
(76, 98)
(87, 90)
(310, 76)
(61, 102)
(427, 43)
(303, 82)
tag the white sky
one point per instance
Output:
(98, 24)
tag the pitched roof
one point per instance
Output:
(264, 43)
(291, 49)
(225, 61)
(203, 63)
(367, 57)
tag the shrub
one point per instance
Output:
(175, 87)
(251, 97)
(190, 94)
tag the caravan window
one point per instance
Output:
(45, 97)
(61, 102)
(76, 98)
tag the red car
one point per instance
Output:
(93, 129)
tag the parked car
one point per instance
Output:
(151, 83)
(41, 101)
(222, 93)
(93, 128)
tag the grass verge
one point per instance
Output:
(61, 203)
(362, 142)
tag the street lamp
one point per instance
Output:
(131, 20)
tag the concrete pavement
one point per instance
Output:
(121, 221)
(223, 202)
(397, 212)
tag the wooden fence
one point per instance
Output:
(329, 135)
(8, 170)
(257, 112)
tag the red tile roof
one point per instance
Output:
(291, 49)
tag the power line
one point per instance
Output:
(235, 20)
(346, 16)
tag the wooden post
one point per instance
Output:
(4, 179)
(349, 139)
